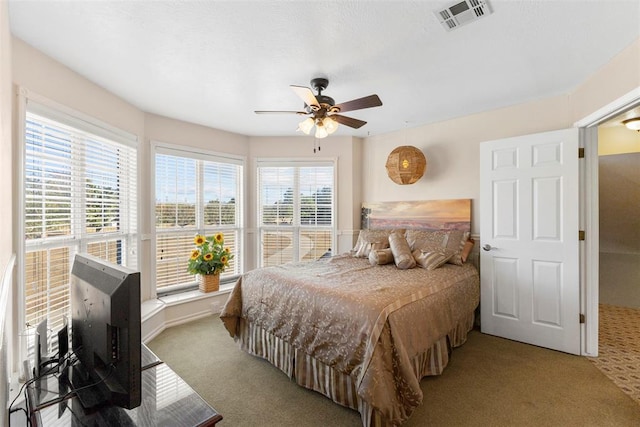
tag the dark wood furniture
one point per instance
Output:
(166, 401)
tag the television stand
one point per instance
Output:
(166, 400)
(87, 391)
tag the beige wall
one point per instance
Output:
(6, 176)
(44, 76)
(6, 192)
(619, 176)
(452, 147)
(617, 140)
(618, 77)
(619, 180)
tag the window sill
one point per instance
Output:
(193, 295)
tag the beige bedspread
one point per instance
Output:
(365, 321)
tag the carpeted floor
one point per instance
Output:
(619, 347)
(489, 382)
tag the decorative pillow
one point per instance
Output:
(432, 260)
(425, 239)
(380, 256)
(466, 250)
(371, 239)
(455, 241)
(401, 252)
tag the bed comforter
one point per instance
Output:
(365, 321)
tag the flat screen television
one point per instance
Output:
(105, 333)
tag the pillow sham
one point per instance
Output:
(431, 260)
(371, 239)
(455, 241)
(466, 250)
(380, 256)
(425, 239)
(401, 252)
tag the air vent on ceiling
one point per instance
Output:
(462, 12)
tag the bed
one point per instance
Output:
(361, 331)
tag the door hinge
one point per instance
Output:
(581, 153)
(581, 234)
(581, 318)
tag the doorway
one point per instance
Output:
(618, 171)
(626, 106)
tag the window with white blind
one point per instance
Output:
(296, 211)
(79, 186)
(195, 193)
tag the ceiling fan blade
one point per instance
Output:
(306, 95)
(360, 103)
(281, 112)
(348, 121)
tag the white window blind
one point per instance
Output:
(195, 193)
(80, 195)
(296, 211)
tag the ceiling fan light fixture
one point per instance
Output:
(322, 110)
(633, 124)
(321, 131)
(306, 125)
(330, 125)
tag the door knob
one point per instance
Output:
(487, 247)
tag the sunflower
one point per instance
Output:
(210, 255)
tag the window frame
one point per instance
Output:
(160, 147)
(296, 228)
(92, 130)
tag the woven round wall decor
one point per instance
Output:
(406, 164)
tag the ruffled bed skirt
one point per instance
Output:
(337, 386)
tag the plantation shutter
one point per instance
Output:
(80, 195)
(196, 193)
(296, 205)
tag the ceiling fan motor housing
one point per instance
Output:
(319, 84)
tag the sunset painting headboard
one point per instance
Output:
(449, 214)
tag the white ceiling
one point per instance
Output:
(215, 62)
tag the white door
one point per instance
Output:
(529, 263)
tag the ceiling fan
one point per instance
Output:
(322, 110)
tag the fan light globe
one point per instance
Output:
(330, 125)
(321, 131)
(306, 125)
(633, 124)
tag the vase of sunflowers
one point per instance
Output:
(208, 260)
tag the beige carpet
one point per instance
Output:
(619, 347)
(489, 382)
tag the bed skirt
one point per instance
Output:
(310, 373)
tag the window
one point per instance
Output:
(195, 193)
(79, 186)
(296, 202)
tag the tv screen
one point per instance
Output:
(105, 332)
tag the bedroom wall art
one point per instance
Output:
(406, 164)
(448, 214)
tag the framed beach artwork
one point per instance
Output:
(448, 214)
